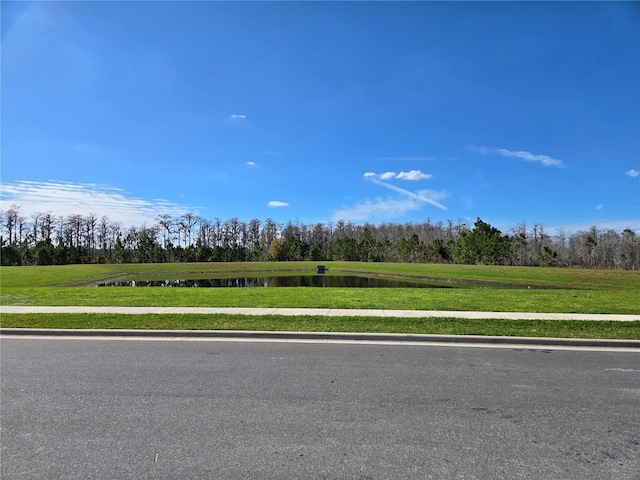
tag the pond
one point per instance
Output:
(278, 281)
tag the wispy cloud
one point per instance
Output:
(599, 207)
(237, 115)
(381, 210)
(632, 173)
(251, 164)
(391, 208)
(413, 175)
(64, 198)
(520, 154)
(423, 196)
(277, 204)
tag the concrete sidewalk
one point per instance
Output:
(322, 312)
(322, 337)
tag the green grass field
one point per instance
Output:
(311, 323)
(482, 288)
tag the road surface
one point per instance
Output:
(112, 408)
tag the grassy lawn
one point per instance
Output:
(485, 299)
(82, 275)
(482, 288)
(439, 326)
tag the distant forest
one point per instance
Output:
(47, 239)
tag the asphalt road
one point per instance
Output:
(136, 409)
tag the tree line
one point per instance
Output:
(48, 239)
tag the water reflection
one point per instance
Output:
(286, 281)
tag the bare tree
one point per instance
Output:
(218, 232)
(36, 216)
(269, 233)
(630, 249)
(46, 226)
(520, 243)
(205, 233)
(254, 235)
(11, 222)
(186, 223)
(90, 222)
(167, 223)
(233, 230)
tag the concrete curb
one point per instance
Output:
(323, 337)
(329, 312)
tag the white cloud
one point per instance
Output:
(64, 198)
(530, 157)
(520, 154)
(236, 115)
(599, 207)
(423, 196)
(251, 164)
(276, 204)
(412, 175)
(632, 173)
(380, 210)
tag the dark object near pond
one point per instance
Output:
(283, 281)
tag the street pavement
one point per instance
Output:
(143, 409)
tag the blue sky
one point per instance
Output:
(314, 112)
